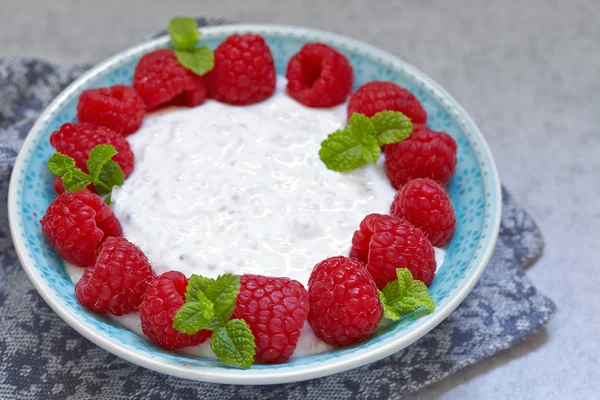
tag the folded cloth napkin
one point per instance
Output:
(42, 357)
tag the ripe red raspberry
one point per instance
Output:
(77, 141)
(425, 204)
(119, 108)
(384, 243)
(344, 303)
(244, 71)
(159, 77)
(275, 309)
(377, 96)
(116, 283)
(319, 76)
(57, 185)
(425, 154)
(164, 297)
(75, 224)
(191, 98)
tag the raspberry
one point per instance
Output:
(425, 204)
(116, 283)
(77, 141)
(75, 224)
(191, 98)
(57, 185)
(319, 76)
(164, 297)
(377, 96)
(119, 108)
(275, 309)
(244, 71)
(344, 303)
(425, 154)
(384, 243)
(159, 77)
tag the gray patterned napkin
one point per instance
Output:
(41, 357)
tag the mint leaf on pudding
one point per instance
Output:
(351, 148)
(76, 180)
(194, 315)
(73, 178)
(111, 174)
(184, 35)
(183, 32)
(60, 165)
(197, 283)
(388, 310)
(223, 293)
(209, 304)
(199, 60)
(360, 142)
(233, 343)
(104, 172)
(405, 295)
(391, 127)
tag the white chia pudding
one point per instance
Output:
(226, 189)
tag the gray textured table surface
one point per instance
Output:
(528, 74)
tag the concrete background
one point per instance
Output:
(527, 71)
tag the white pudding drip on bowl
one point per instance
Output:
(241, 189)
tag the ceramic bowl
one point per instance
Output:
(474, 191)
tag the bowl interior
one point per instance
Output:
(474, 191)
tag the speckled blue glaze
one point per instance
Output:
(474, 191)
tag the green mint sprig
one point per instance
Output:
(104, 173)
(184, 35)
(404, 296)
(360, 141)
(209, 304)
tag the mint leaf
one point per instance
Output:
(111, 174)
(234, 343)
(391, 127)
(223, 293)
(199, 60)
(73, 178)
(76, 180)
(183, 32)
(100, 155)
(196, 283)
(351, 148)
(194, 316)
(61, 165)
(388, 311)
(404, 296)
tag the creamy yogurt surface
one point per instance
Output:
(225, 189)
(220, 188)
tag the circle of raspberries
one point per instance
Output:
(275, 309)
(244, 71)
(76, 223)
(344, 302)
(319, 76)
(77, 140)
(117, 281)
(164, 297)
(159, 78)
(118, 107)
(384, 243)
(426, 205)
(424, 154)
(377, 96)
